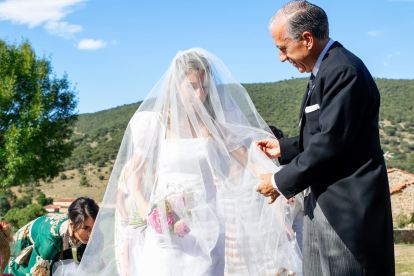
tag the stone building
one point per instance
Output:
(402, 192)
(60, 205)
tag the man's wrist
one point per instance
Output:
(274, 185)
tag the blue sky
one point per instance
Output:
(115, 51)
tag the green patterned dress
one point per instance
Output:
(39, 244)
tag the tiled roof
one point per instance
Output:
(400, 187)
(403, 185)
(51, 206)
(65, 200)
(393, 170)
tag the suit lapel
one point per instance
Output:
(303, 103)
(308, 95)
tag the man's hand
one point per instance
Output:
(270, 147)
(266, 188)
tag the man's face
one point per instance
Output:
(297, 53)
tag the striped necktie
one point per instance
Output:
(312, 78)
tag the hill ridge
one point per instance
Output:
(277, 102)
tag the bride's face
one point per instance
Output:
(195, 82)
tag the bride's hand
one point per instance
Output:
(270, 147)
(288, 200)
(143, 209)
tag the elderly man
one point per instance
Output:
(337, 156)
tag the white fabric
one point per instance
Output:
(312, 108)
(188, 159)
(65, 268)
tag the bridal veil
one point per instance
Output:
(181, 198)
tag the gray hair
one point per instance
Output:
(302, 16)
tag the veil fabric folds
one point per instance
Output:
(181, 198)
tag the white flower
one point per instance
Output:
(388, 155)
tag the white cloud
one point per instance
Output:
(394, 54)
(48, 13)
(91, 44)
(373, 33)
(386, 64)
(36, 12)
(63, 29)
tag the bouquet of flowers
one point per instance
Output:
(176, 206)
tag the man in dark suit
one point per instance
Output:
(337, 156)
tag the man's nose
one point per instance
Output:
(282, 56)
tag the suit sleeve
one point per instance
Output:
(341, 112)
(289, 149)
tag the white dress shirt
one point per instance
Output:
(314, 72)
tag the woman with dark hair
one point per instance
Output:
(53, 237)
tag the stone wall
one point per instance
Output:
(402, 201)
(397, 177)
(403, 235)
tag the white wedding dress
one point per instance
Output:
(190, 251)
(189, 164)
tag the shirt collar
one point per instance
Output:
(319, 61)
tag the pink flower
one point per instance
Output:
(170, 219)
(181, 228)
(176, 200)
(154, 220)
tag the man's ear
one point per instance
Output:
(308, 39)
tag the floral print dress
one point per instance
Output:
(39, 244)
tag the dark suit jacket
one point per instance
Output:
(338, 155)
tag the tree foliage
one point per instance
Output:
(20, 217)
(22, 202)
(36, 116)
(43, 200)
(4, 205)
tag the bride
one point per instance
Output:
(181, 199)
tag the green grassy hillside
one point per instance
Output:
(98, 135)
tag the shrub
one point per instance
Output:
(390, 131)
(81, 171)
(43, 200)
(402, 221)
(84, 182)
(63, 176)
(22, 202)
(4, 205)
(19, 218)
(101, 177)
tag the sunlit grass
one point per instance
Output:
(404, 259)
